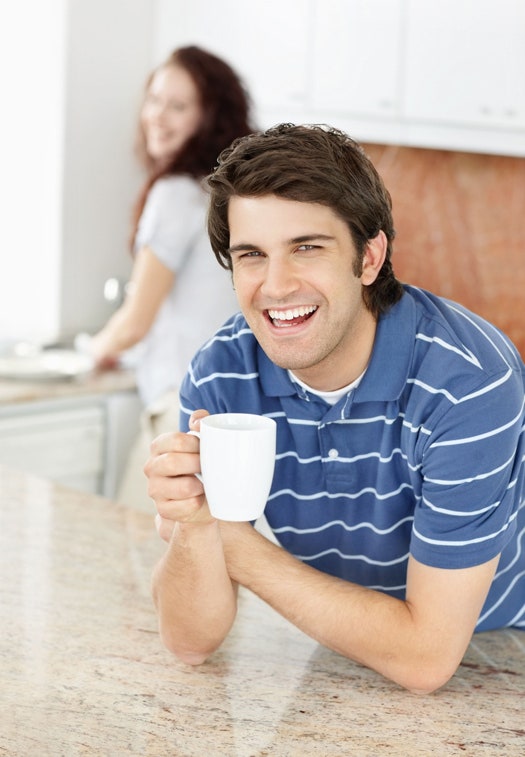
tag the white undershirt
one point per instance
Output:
(331, 397)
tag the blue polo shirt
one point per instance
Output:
(426, 456)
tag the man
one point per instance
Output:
(399, 481)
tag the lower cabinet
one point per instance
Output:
(82, 443)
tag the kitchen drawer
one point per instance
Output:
(66, 445)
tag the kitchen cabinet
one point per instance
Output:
(465, 63)
(266, 41)
(80, 442)
(413, 72)
(63, 443)
(352, 40)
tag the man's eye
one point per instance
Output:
(251, 254)
(308, 247)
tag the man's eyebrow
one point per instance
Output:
(311, 238)
(244, 246)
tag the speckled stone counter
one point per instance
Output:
(83, 671)
(13, 391)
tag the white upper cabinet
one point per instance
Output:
(266, 41)
(465, 63)
(270, 50)
(432, 73)
(355, 60)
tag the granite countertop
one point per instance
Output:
(84, 671)
(96, 382)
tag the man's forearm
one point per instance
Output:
(193, 592)
(367, 626)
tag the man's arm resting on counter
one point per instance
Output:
(418, 642)
(195, 597)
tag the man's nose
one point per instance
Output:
(280, 279)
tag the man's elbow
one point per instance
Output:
(426, 678)
(191, 653)
(191, 658)
(188, 654)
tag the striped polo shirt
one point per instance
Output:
(426, 456)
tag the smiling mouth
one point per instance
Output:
(292, 316)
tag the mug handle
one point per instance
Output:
(197, 434)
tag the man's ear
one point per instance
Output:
(373, 258)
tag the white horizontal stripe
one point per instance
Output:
(464, 315)
(228, 338)
(338, 495)
(356, 458)
(378, 587)
(363, 558)
(213, 376)
(301, 460)
(302, 422)
(345, 526)
(479, 477)
(486, 435)
(416, 429)
(434, 390)
(464, 543)
(361, 421)
(515, 559)
(368, 456)
(277, 414)
(503, 597)
(457, 400)
(459, 513)
(488, 388)
(518, 615)
(467, 355)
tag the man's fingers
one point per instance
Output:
(174, 441)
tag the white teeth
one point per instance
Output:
(288, 315)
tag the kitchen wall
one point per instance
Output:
(460, 222)
(71, 75)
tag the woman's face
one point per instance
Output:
(171, 113)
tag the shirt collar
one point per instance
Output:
(387, 371)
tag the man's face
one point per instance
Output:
(292, 272)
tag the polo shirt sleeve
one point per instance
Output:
(173, 216)
(472, 486)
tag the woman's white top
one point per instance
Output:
(173, 226)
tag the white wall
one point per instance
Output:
(32, 56)
(72, 76)
(108, 59)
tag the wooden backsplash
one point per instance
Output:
(460, 223)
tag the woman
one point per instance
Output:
(194, 106)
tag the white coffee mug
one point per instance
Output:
(237, 454)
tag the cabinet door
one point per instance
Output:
(65, 445)
(355, 64)
(465, 62)
(265, 40)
